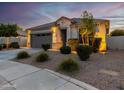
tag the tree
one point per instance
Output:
(7, 30)
(2, 29)
(87, 27)
(117, 32)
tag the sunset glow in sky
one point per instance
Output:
(33, 14)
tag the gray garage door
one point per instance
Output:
(38, 39)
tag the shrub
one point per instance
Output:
(96, 44)
(22, 54)
(69, 65)
(117, 33)
(14, 45)
(1, 47)
(42, 57)
(46, 46)
(84, 52)
(65, 50)
(73, 43)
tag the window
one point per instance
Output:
(38, 35)
(44, 34)
(107, 30)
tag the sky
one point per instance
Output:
(32, 14)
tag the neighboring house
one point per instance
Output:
(21, 33)
(22, 38)
(59, 32)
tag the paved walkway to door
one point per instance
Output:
(20, 76)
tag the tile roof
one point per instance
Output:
(42, 27)
(48, 25)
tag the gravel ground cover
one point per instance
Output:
(103, 71)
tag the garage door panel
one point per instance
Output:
(37, 41)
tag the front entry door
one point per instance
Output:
(64, 36)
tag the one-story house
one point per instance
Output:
(59, 32)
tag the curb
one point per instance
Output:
(74, 81)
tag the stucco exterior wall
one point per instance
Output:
(68, 33)
(56, 43)
(28, 38)
(115, 42)
(63, 23)
(102, 34)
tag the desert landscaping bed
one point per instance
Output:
(102, 71)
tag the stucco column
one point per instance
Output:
(28, 38)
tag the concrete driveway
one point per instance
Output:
(25, 77)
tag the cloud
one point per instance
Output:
(32, 14)
(115, 7)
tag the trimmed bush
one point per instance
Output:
(69, 65)
(46, 46)
(73, 43)
(22, 54)
(96, 45)
(42, 57)
(117, 33)
(84, 52)
(14, 45)
(65, 50)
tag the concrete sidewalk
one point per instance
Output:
(26, 77)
